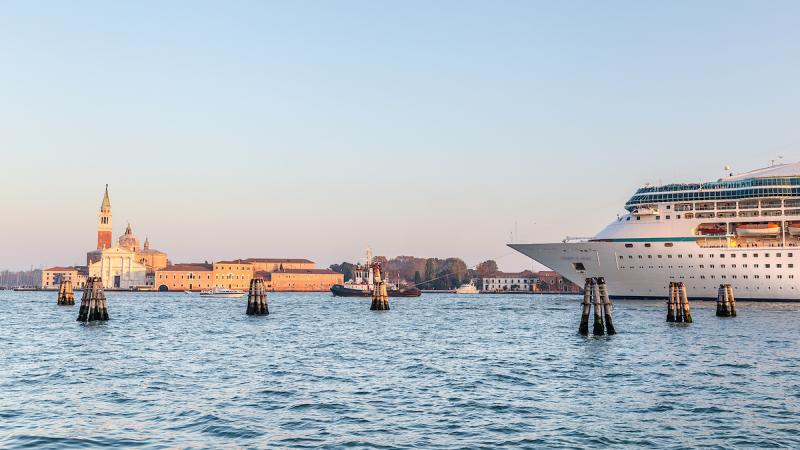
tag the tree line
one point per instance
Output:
(20, 278)
(426, 273)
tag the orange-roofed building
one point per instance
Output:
(51, 278)
(301, 280)
(234, 274)
(185, 277)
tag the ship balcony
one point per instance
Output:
(646, 211)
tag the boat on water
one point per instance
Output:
(758, 229)
(467, 288)
(363, 283)
(221, 293)
(742, 230)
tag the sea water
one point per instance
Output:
(438, 371)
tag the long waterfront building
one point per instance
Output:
(236, 274)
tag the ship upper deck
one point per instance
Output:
(781, 180)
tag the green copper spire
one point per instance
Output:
(106, 202)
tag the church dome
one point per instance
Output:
(128, 240)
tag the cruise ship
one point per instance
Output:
(742, 230)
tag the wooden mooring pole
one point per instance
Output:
(673, 294)
(93, 301)
(588, 287)
(257, 298)
(598, 310)
(731, 301)
(686, 310)
(606, 301)
(66, 296)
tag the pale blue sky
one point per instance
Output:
(311, 129)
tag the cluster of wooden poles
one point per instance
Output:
(380, 294)
(93, 301)
(678, 309)
(257, 298)
(95, 308)
(726, 303)
(66, 296)
(595, 292)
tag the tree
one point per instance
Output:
(486, 268)
(430, 270)
(417, 278)
(344, 268)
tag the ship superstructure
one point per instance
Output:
(742, 230)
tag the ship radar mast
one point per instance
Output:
(728, 170)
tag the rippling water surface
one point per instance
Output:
(439, 371)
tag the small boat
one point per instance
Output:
(468, 288)
(221, 293)
(758, 229)
(794, 228)
(711, 229)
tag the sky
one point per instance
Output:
(312, 129)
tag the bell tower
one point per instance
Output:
(104, 224)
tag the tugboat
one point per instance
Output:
(362, 284)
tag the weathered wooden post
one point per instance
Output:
(687, 310)
(673, 292)
(257, 298)
(720, 300)
(93, 301)
(66, 296)
(598, 310)
(606, 301)
(380, 295)
(588, 287)
(731, 301)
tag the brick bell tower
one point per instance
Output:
(104, 224)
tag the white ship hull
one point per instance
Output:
(640, 273)
(729, 231)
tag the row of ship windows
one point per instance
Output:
(711, 266)
(639, 199)
(725, 215)
(703, 277)
(711, 255)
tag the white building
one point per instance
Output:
(119, 269)
(504, 282)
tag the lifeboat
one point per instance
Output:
(707, 229)
(794, 228)
(758, 229)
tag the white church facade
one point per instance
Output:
(125, 265)
(119, 269)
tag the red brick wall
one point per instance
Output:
(103, 239)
